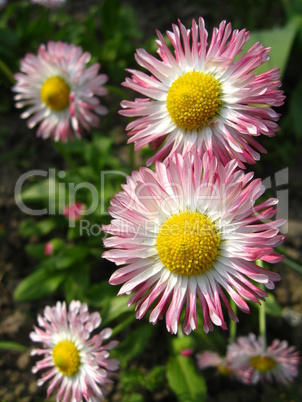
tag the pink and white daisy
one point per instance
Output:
(253, 362)
(78, 365)
(190, 231)
(60, 91)
(203, 97)
(49, 3)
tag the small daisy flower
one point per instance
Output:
(190, 231)
(203, 97)
(78, 365)
(253, 362)
(60, 91)
(49, 3)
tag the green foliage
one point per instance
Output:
(12, 346)
(94, 176)
(134, 344)
(115, 308)
(295, 106)
(29, 227)
(40, 283)
(293, 264)
(183, 379)
(134, 380)
(272, 307)
(280, 40)
(133, 398)
(293, 8)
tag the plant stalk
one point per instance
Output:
(262, 313)
(233, 324)
(7, 72)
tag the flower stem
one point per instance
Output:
(7, 72)
(262, 322)
(117, 91)
(123, 324)
(131, 157)
(262, 313)
(233, 324)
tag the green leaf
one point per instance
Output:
(36, 250)
(154, 378)
(295, 107)
(133, 398)
(131, 380)
(100, 294)
(109, 16)
(116, 307)
(60, 249)
(272, 307)
(39, 191)
(294, 265)
(12, 345)
(134, 344)
(183, 379)
(280, 40)
(39, 284)
(180, 343)
(76, 283)
(99, 155)
(29, 227)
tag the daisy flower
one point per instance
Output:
(78, 365)
(59, 91)
(190, 231)
(49, 3)
(253, 362)
(203, 97)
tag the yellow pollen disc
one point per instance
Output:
(224, 370)
(193, 99)
(263, 363)
(187, 243)
(66, 358)
(55, 93)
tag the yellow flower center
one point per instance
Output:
(193, 99)
(66, 358)
(55, 93)
(224, 370)
(187, 243)
(263, 363)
